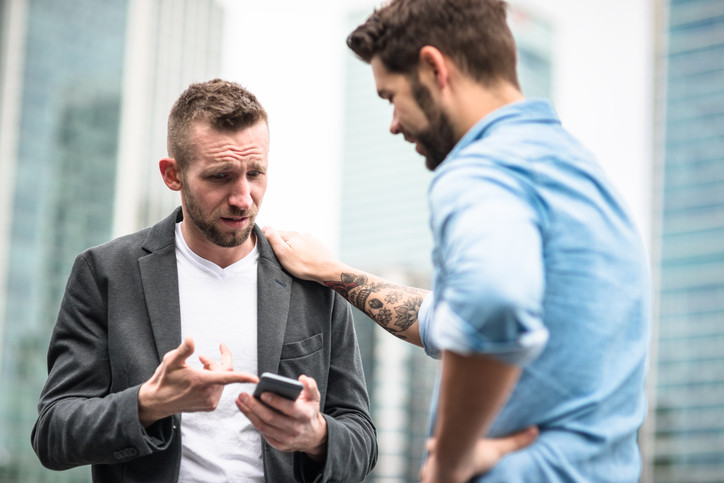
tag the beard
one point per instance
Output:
(208, 226)
(438, 139)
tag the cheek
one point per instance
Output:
(211, 198)
(257, 193)
(411, 117)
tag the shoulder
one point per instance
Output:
(128, 248)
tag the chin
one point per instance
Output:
(432, 164)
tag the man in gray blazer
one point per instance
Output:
(122, 393)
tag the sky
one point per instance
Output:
(290, 53)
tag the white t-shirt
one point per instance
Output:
(219, 305)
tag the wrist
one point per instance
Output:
(454, 467)
(318, 453)
(330, 272)
(146, 413)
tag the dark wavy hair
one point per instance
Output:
(473, 33)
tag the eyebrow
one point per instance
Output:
(257, 165)
(383, 93)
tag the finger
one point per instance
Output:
(517, 441)
(287, 235)
(275, 239)
(227, 377)
(248, 406)
(310, 392)
(280, 404)
(260, 415)
(244, 402)
(209, 364)
(226, 362)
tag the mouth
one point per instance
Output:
(235, 221)
(412, 140)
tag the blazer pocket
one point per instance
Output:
(310, 345)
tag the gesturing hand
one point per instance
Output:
(486, 454)
(303, 255)
(289, 425)
(177, 387)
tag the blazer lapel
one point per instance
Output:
(159, 277)
(274, 288)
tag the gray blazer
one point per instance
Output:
(120, 314)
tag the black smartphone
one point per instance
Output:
(283, 386)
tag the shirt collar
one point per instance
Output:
(528, 109)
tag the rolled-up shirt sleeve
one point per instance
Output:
(424, 319)
(489, 280)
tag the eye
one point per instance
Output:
(218, 176)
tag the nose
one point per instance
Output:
(395, 126)
(240, 195)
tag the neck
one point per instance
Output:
(221, 256)
(475, 101)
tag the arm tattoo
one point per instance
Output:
(381, 301)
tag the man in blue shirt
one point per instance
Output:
(540, 308)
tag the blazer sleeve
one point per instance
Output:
(351, 435)
(80, 421)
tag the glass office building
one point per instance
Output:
(71, 119)
(384, 230)
(689, 379)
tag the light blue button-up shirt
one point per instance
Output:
(538, 263)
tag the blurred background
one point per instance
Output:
(86, 85)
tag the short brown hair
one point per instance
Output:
(225, 105)
(474, 33)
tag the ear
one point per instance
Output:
(433, 61)
(170, 173)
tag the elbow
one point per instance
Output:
(499, 324)
(46, 451)
(512, 333)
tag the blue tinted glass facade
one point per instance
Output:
(64, 191)
(689, 401)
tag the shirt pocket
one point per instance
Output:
(303, 348)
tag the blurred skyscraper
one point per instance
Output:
(688, 440)
(384, 230)
(85, 88)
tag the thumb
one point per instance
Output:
(517, 441)
(182, 352)
(310, 392)
(431, 445)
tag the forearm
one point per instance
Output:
(393, 307)
(77, 431)
(472, 392)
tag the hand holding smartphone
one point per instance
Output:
(285, 387)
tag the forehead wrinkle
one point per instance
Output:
(228, 153)
(218, 143)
